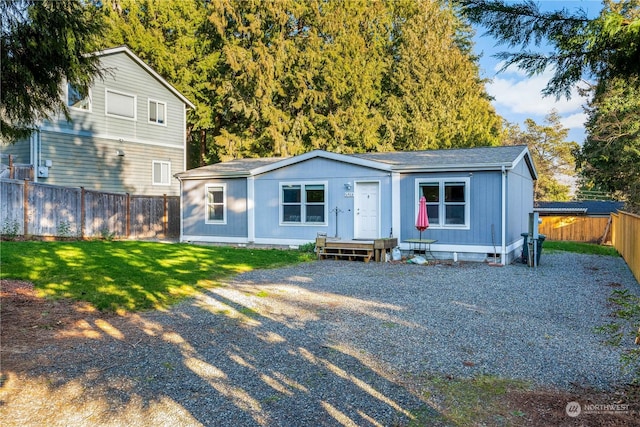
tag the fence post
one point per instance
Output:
(83, 213)
(165, 215)
(127, 231)
(12, 172)
(25, 208)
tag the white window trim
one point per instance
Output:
(117, 116)
(441, 204)
(224, 204)
(149, 101)
(302, 222)
(66, 100)
(153, 168)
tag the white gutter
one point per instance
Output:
(503, 225)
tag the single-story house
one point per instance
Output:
(478, 199)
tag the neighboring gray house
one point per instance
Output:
(478, 199)
(128, 135)
(593, 208)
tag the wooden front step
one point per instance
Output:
(346, 253)
(342, 249)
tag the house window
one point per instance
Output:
(216, 208)
(76, 100)
(157, 112)
(119, 104)
(161, 172)
(447, 201)
(303, 203)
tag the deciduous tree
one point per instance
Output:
(552, 154)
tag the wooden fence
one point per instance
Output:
(576, 228)
(626, 239)
(34, 209)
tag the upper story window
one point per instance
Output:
(447, 201)
(303, 203)
(216, 203)
(161, 172)
(157, 112)
(120, 104)
(76, 100)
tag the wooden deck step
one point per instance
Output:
(346, 253)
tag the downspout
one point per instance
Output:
(181, 238)
(36, 152)
(251, 212)
(395, 206)
(503, 237)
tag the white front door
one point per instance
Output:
(367, 207)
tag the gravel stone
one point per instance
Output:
(334, 342)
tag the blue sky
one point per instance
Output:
(517, 97)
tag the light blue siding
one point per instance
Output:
(335, 174)
(485, 209)
(519, 201)
(194, 208)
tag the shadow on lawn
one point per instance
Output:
(128, 275)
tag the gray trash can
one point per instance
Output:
(525, 248)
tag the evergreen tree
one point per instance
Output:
(281, 78)
(44, 44)
(601, 48)
(165, 34)
(610, 157)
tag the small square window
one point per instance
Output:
(76, 100)
(216, 206)
(161, 172)
(157, 112)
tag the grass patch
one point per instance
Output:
(578, 247)
(470, 401)
(130, 275)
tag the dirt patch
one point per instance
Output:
(29, 323)
(550, 408)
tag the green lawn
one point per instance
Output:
(130, 275)
(582, 248)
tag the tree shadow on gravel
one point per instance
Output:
(212, 361)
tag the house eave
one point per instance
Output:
(455, 168)
(129, 52)
(182, 176)
(320, 154)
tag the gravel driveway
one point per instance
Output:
(334, 343)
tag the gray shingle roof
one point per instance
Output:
(236, 167)
(588, 207)
(490, 158)
(478, 156)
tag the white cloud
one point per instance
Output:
(514, 91)
(574, 121)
